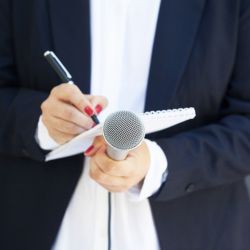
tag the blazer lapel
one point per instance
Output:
(70, 21)
(177, 26)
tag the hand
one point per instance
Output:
(66, 112)
(118, 176)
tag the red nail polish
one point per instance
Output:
(89, 149)
(89, 111)
(98, 108)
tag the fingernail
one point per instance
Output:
(89, 149)
(98, 108)
(89, 111)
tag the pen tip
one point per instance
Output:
(95, 119)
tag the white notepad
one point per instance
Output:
(153, 121)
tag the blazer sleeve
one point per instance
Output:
(218, 153)
(19, 106)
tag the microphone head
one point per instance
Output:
(123, 130)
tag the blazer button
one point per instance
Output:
(25, 152)
(190, 187)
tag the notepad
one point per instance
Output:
(153, 121)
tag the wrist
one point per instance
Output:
(44, 140)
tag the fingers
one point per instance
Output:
(72, 94)
(103, 178)
(97, 144)
(99, 103)
(85, 103)
(110, 174)
(66, 112)
(119, 176)
(64, 126)
(104, 162)
(111, 167)
(111, 183)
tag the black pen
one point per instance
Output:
(63, 73)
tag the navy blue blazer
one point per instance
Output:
(201, 58)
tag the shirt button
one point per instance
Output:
(190, 187)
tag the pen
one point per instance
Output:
(63, 73)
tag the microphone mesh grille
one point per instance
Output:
(123, 130)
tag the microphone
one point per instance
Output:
(123, 131)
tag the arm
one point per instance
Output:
(19, 107)
(218, 153)
(64, 109)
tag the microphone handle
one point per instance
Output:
(116, 154)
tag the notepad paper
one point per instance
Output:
(153, 121)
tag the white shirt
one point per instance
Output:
(122, 35)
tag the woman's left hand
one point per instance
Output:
(118, 176)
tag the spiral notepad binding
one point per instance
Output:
(162, 119)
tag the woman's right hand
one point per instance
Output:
(67, 112)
